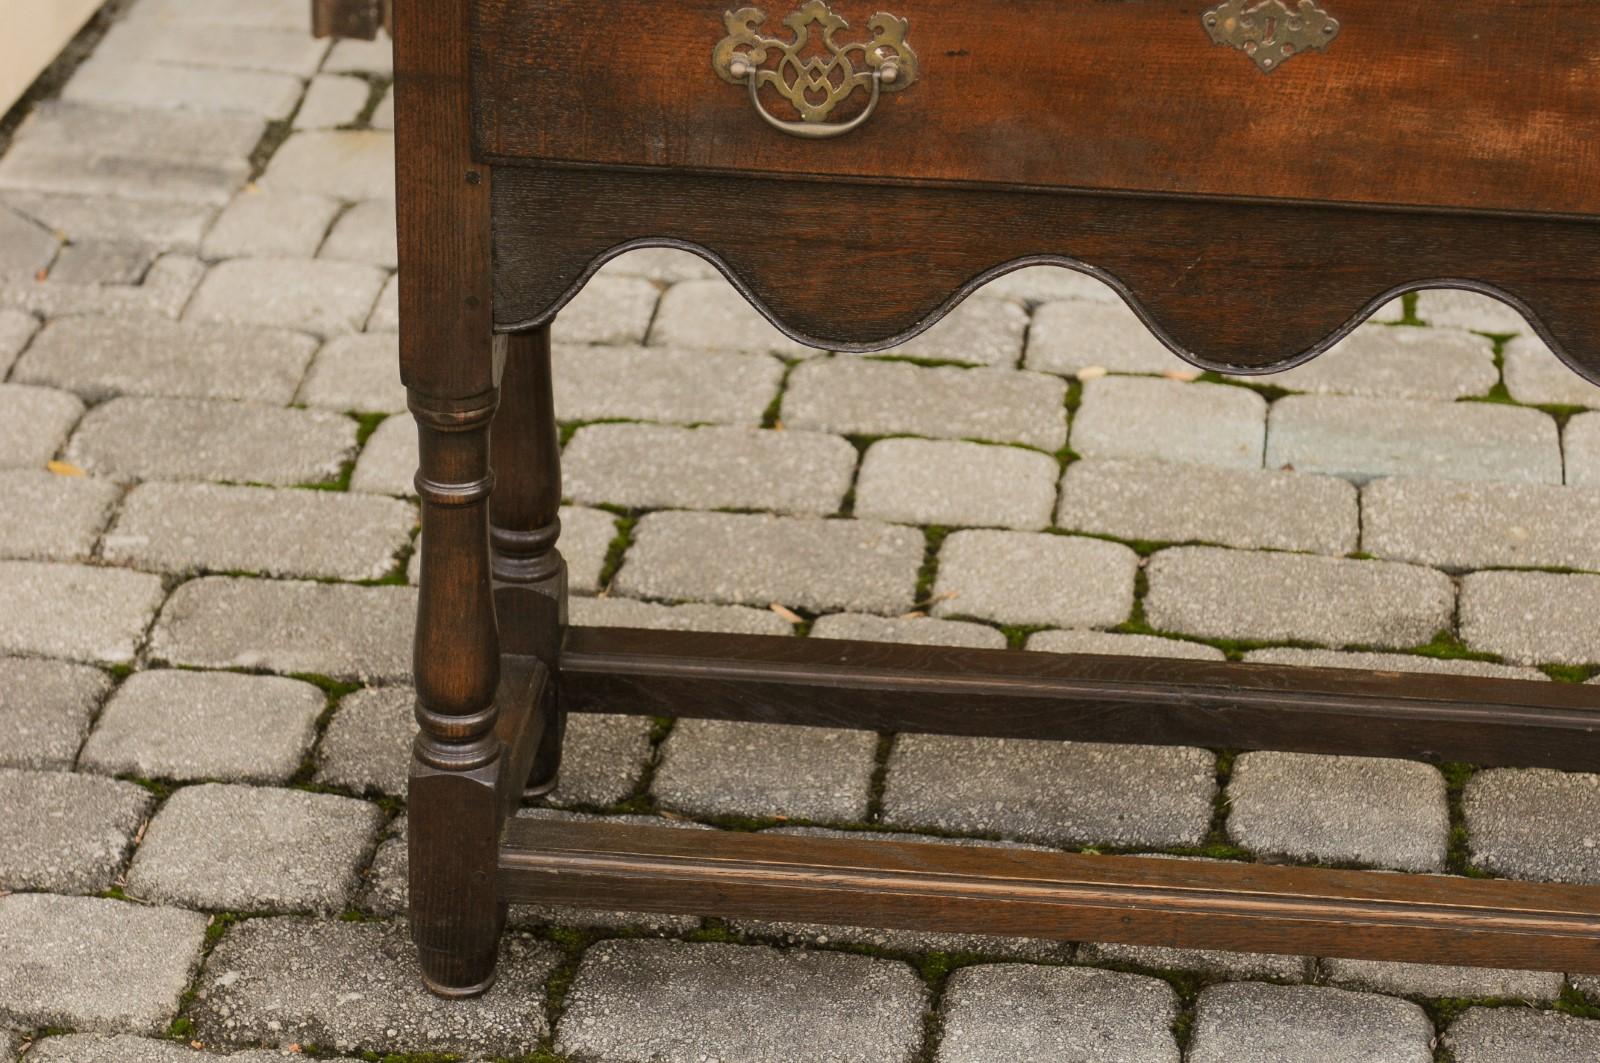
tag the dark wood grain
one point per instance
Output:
(524, 526)
(1229, 286)
(1008, 694)
(1175, 903)
(1484, 104)
(447, 361)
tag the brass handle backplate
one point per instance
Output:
(816, 85)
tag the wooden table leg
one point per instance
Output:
(530, 575)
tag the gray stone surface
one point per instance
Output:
(166, 289)
(52, 518)
(818, 935)
(160, 225)
(1115, 643)
(125, 1048)
(175, 724)
(1055, 793)
(710, 314)
(388, 462)
(602, 759)
(910, 630)
(45, 709)
(365, 233)
(933, 481)
(1533, 823)
(335, 630)
(94, 964)
(672, 1002)
(1037, 284)
(356, 986)
(1492, 1035)
(1531, 617)
(1214, 593)
(625, 612)
(667, 265)
(1451, 308)
(367, 746)
(664, 384)
(1398, 363)
(357, 373)
(864, 397)
(142, 155)
(980, 331)
(646, 466)
(386, 314)
(1034, 578)
(1536, 376)
(1455, 525)
(259, 224)
(383, 114)
(1242, 1022)
(608, 310)
(101, 262)
(66, 833)
(332, 100)
(586, 536)
(1232, 965)
(203, 43)
(1389, 662)
(26, 248)
(192, 439)
(1363, 438)
(759, 559)
(9, 1043)
(319, 295)
(1581, 447)
(16, 329)
(732, 768)
(266, 14)
(188, 528)
(1068, 337)
(1022, 1012)
(34, 422)
(351, 165)
(100, 357)
(1168, 420)
(1362, 810)
(106, 80)
(371, 57)
(255, 849)
(1249, 509)
(75, 611)
(1436, 981)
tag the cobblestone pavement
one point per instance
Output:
(206, 539)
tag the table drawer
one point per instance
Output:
(1476, 104)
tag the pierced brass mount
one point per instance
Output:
(818, 84)
(1269, 31)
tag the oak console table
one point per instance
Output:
(1255, 177)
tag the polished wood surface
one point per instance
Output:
(1479, 104)
(1066, 896)
(1078, 697)
(448, 362)
(1229, 286)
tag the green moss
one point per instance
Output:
(1570, 673)
(618, 547)
(933, 538)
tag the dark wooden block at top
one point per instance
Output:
(1474, 104)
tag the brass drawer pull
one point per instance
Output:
(816, 85)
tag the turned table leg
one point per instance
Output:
(456, 917)
(530, 577)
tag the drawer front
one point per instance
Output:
(1474, 104)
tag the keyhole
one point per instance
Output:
(1272, 30)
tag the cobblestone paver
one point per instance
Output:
(681, 1003)
(1010, 1011)
(205, 665)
